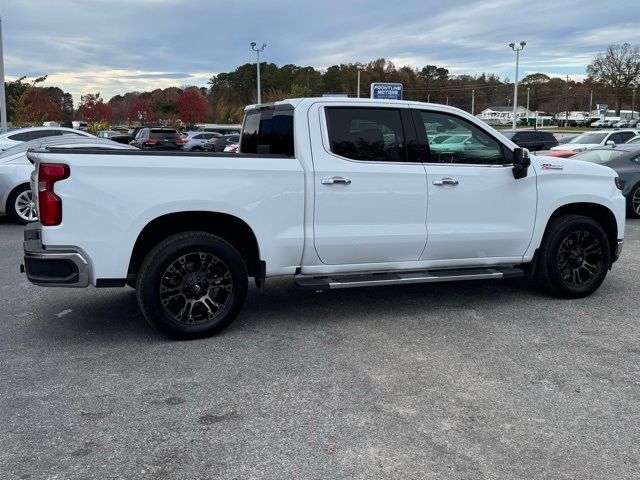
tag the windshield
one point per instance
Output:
(598, 156)
(585, 138)
(509, 135)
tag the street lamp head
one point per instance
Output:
(264, 45)
(253, 44)
(512, 45)
(522, 44)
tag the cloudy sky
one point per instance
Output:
(114, 46)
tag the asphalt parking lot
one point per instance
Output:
(463, 380)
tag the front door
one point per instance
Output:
(476, 208)
(370, 188)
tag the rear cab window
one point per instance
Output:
(268, 130)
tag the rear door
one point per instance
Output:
(370, 187)
(477, 210)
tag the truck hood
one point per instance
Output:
(576, 147)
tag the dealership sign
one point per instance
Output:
(387, 91)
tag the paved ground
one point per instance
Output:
(463, 381)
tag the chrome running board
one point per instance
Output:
(382, 279)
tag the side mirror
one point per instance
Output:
(521, 162)
(610, 142)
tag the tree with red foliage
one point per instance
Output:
(93, 109)
(41, 107)
(140, 110)
(192, 107)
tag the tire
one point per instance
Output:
(196, 149)
(191, 285)
(574, 257)
(633, 202)
(20, 205)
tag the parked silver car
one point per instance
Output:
(197, 140)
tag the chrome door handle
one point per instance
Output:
(332, 180)
(445, 181)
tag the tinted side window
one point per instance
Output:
(615, 138)
(20, 137)
(45, 133)
(371, 134)
(268, 132)
(467, 144)
(627, 136)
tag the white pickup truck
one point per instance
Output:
(336, 192)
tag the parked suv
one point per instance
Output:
(532, 139)
(196, 141)
(158, 139)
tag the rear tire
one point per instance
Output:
(191, 285)
(633, 202)
(574, 257)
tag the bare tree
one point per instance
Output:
(619, 68)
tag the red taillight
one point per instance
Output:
(151, 141)
(49, 204)
(181, 141)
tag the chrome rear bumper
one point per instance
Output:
(66, 267)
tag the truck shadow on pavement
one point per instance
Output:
(113, 315)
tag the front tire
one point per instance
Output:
(574, 257)
(192, 285)
(21, 205)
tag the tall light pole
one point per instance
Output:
(633, 103)
(515, 84)
(258, 50)
(527, 106)
(473, 101)
(359, 67)
(3, 95)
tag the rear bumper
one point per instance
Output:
(65, 267)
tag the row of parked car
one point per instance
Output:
(159, 138)
(615, 123)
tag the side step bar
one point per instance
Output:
(381, 279)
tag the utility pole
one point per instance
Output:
(566, 109)
(359, 70)
(515, 84)
(258, 50)
(473, 101)
(447, 99)
(428, 97)
(633, 103)
(590, 102)
(3, 95)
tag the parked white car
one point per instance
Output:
(595, 139)
(16, 137)
(16, 198)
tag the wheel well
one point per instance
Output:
(602, 215)
(227, 227)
